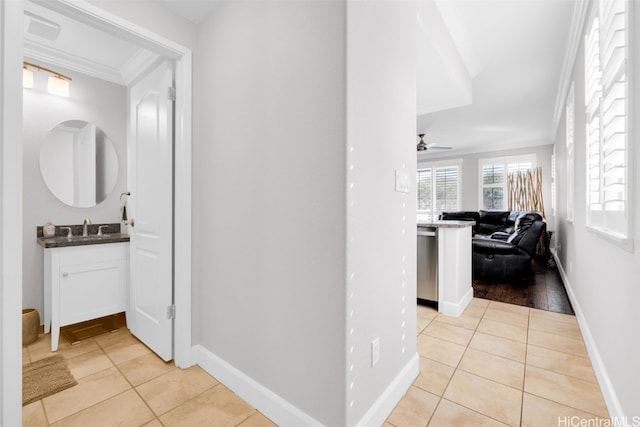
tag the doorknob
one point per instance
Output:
(131, 222)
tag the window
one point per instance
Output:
(607, 100)
(570, 138)
(438, 191)
(493, 178)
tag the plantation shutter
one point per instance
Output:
(607, 108)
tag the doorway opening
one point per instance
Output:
(156, 48)
(12, 51)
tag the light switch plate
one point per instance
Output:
(375, 351)
(402, 182)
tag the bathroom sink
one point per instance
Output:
(89, 237)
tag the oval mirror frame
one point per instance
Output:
(79, 163)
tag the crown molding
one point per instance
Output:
(573, 43)
(50, 55)
(137, 64)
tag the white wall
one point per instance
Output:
(602, 278)
(269, 209)
(97, 101)
(381, 233)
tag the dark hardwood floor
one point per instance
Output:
(544, 290)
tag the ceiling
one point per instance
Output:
(193, 10)
(513, 53)
(488, 70)
(52, 38)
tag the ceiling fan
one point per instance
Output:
(423, 146)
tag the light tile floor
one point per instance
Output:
(122, 383)
(497, 364)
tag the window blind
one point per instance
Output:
(438, 191)
(446, 189)
(606, 99)
(425, 195)
(493, 178)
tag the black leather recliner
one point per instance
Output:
(507, 257)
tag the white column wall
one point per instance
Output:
(381, 223)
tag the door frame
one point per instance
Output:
(11, 46)
(11, 49)
(182, 56)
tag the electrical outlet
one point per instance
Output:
(375, 351)
(402, 182)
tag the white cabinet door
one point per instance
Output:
(92, 290)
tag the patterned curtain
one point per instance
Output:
(525, 191)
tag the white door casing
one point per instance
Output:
(150, 209)
(11, 47)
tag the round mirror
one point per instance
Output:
(79, 163)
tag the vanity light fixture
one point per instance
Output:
(58, 84)
(27, 78)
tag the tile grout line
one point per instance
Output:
(455, 369)
(551, 371)
(44, 411)
(218, 383)
(448, 382)
(97, 403)
(524, 373)
(526, 365)
(255, 411)
(435, 407)
(135, 390)
(470, 373)
(102, 349)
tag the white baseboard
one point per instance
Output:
(274, 407)
(382, 407)
(455, 309)
(282, 412)
(604, 381)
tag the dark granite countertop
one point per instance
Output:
(92, 239)
(111, 234)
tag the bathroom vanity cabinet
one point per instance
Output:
(83, 282)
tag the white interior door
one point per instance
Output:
(150, 210)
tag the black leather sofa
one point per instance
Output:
(504, 242)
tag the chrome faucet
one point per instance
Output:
(86, 222)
